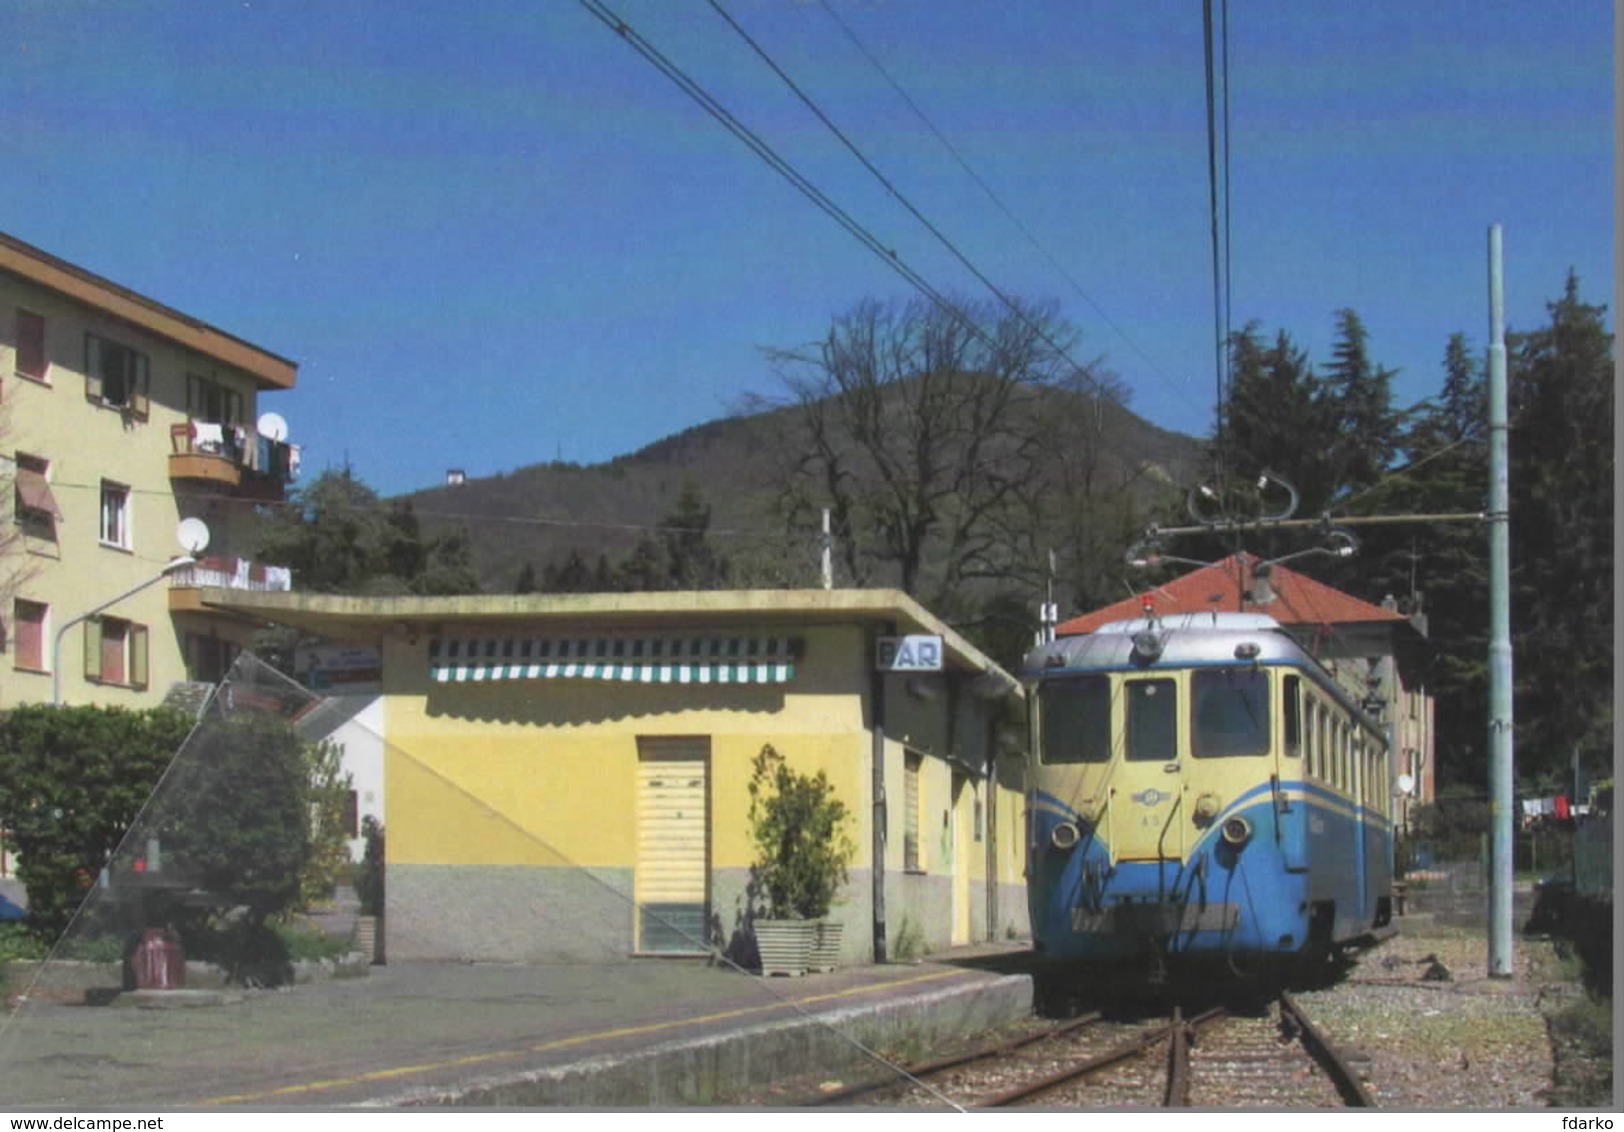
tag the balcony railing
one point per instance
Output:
(224, 453)
(232, 574)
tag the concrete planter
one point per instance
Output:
(366, 937)
(825, 954)
(785, 945)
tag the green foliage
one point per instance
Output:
(236, 814)
(369, 874)
(1451, 819)
(72, 782)
(306, 944)
(329, 786)
(1336, 438)
(19, 941)
(339, 537)
(802, 847)
(102, 947)
(1562, 482)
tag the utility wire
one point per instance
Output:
(777, 163)
(1228, 287)
(996, 200)
(891, 188)
(1212, 200)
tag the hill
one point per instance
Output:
(538, 514)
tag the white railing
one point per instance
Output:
(233, 574)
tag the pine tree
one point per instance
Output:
(1561, 441)
(1358, 395)
(1440, 569)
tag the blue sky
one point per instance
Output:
(491, 234)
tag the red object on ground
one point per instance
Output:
(159, 962)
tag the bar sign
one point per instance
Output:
(918, 653)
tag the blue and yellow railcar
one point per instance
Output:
(1201, 788)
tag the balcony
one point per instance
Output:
(233, 457)
(226, 573)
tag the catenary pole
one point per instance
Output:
(1500, 686)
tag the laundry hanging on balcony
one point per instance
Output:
(645, 660)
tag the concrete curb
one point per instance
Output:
(710, 1070)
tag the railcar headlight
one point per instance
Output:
(1065, 835)
(1237, 831)
(1206, 809)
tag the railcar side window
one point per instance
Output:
(1230, 712)
(1076, 713)
(1294, 719)
(1152, 721)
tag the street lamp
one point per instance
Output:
(175, 564)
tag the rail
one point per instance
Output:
(1342, 1075)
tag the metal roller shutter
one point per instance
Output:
(673, 848)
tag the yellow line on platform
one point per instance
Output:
(565, 1043)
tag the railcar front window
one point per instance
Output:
(1077, 720)
(1152, 722)
(1230, 712)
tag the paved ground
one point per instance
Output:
(412, 1032)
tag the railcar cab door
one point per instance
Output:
(1147, 796)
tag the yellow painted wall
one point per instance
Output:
(86, 443)
(553, 762)
(543, 772)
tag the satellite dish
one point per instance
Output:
(1406, 784)
(273, 427)
(193, 536)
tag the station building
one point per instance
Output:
(566, 777)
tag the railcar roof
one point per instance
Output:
(1194, 638)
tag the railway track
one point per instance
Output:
(1275, 1059)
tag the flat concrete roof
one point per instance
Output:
(366, 618)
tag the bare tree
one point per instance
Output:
(921, 429)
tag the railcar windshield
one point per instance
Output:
(1076, 719)
(1152, 721)
(1230, 712)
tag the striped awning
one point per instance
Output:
(644, 660)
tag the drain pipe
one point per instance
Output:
(876, 724)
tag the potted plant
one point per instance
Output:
(802, 850)
(369, 881)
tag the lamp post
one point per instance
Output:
(175, 564)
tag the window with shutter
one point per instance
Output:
(116, 652)
(116, 375)
(31, 345)
(911, 764)
(28, 634)
(115, 515)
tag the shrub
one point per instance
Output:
(802, 847)
(329, 785)
(369, 874)
(72, 781)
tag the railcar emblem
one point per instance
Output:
(1150, 797)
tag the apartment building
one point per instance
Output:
(134, 456)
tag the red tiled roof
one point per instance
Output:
(1298, 599)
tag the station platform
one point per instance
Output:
(633, 1033)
